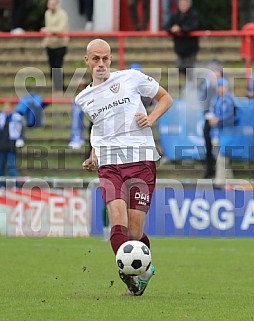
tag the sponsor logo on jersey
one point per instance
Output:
(142, 198)
(109, 106)
(115, 88)
(90, 102)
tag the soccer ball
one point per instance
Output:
(133, 258)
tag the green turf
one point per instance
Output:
(76, 279)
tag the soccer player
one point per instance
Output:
(122, 146)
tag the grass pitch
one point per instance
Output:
(57, 279)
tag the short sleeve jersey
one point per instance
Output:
(111, 107)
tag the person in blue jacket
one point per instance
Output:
(10, 132)
(222, 119)
(31, 107)
(77, 137)
(250, 93)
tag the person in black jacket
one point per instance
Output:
(207, 90)
(185, 20)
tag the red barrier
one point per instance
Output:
(121, 35)
(52, 100)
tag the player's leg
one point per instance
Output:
(141, 191)
(136, 227)
(113, 194)
(118, 219)
(140, 194)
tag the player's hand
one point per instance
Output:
(143, 120)
(90, 164)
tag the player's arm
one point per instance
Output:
(164, 100)
(90, 163)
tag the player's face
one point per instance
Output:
(99, 60)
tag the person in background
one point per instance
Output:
(86, 8)
(165, 7)
(185, 20)
(207, 90)
(250, 89)
(18, 15)
(10, 133)
(77, 135)
(222, 118)
(106, 225)
(31, 107)
(138, 23)
(77, 128)
(165, 10)
(56, 21)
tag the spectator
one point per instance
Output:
(106, 225)
(186, 48)
(251, 87)
(207, 92)
(77, 139)
(137, 22)
(86, 8)
(222, 119)
(31, 107)
(10, 133)
(165, 8)
(77, 127)
(18, 15)
(56, 21)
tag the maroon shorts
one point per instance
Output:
(132, 182)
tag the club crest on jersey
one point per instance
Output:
(115, 88)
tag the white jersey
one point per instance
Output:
(111, 106)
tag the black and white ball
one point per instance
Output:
(133, 258)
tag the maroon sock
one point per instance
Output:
(118, 235)
(145, 240)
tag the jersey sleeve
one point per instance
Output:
(146, 85)
(80, 101)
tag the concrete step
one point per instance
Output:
(131, 54)
(165, 171)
